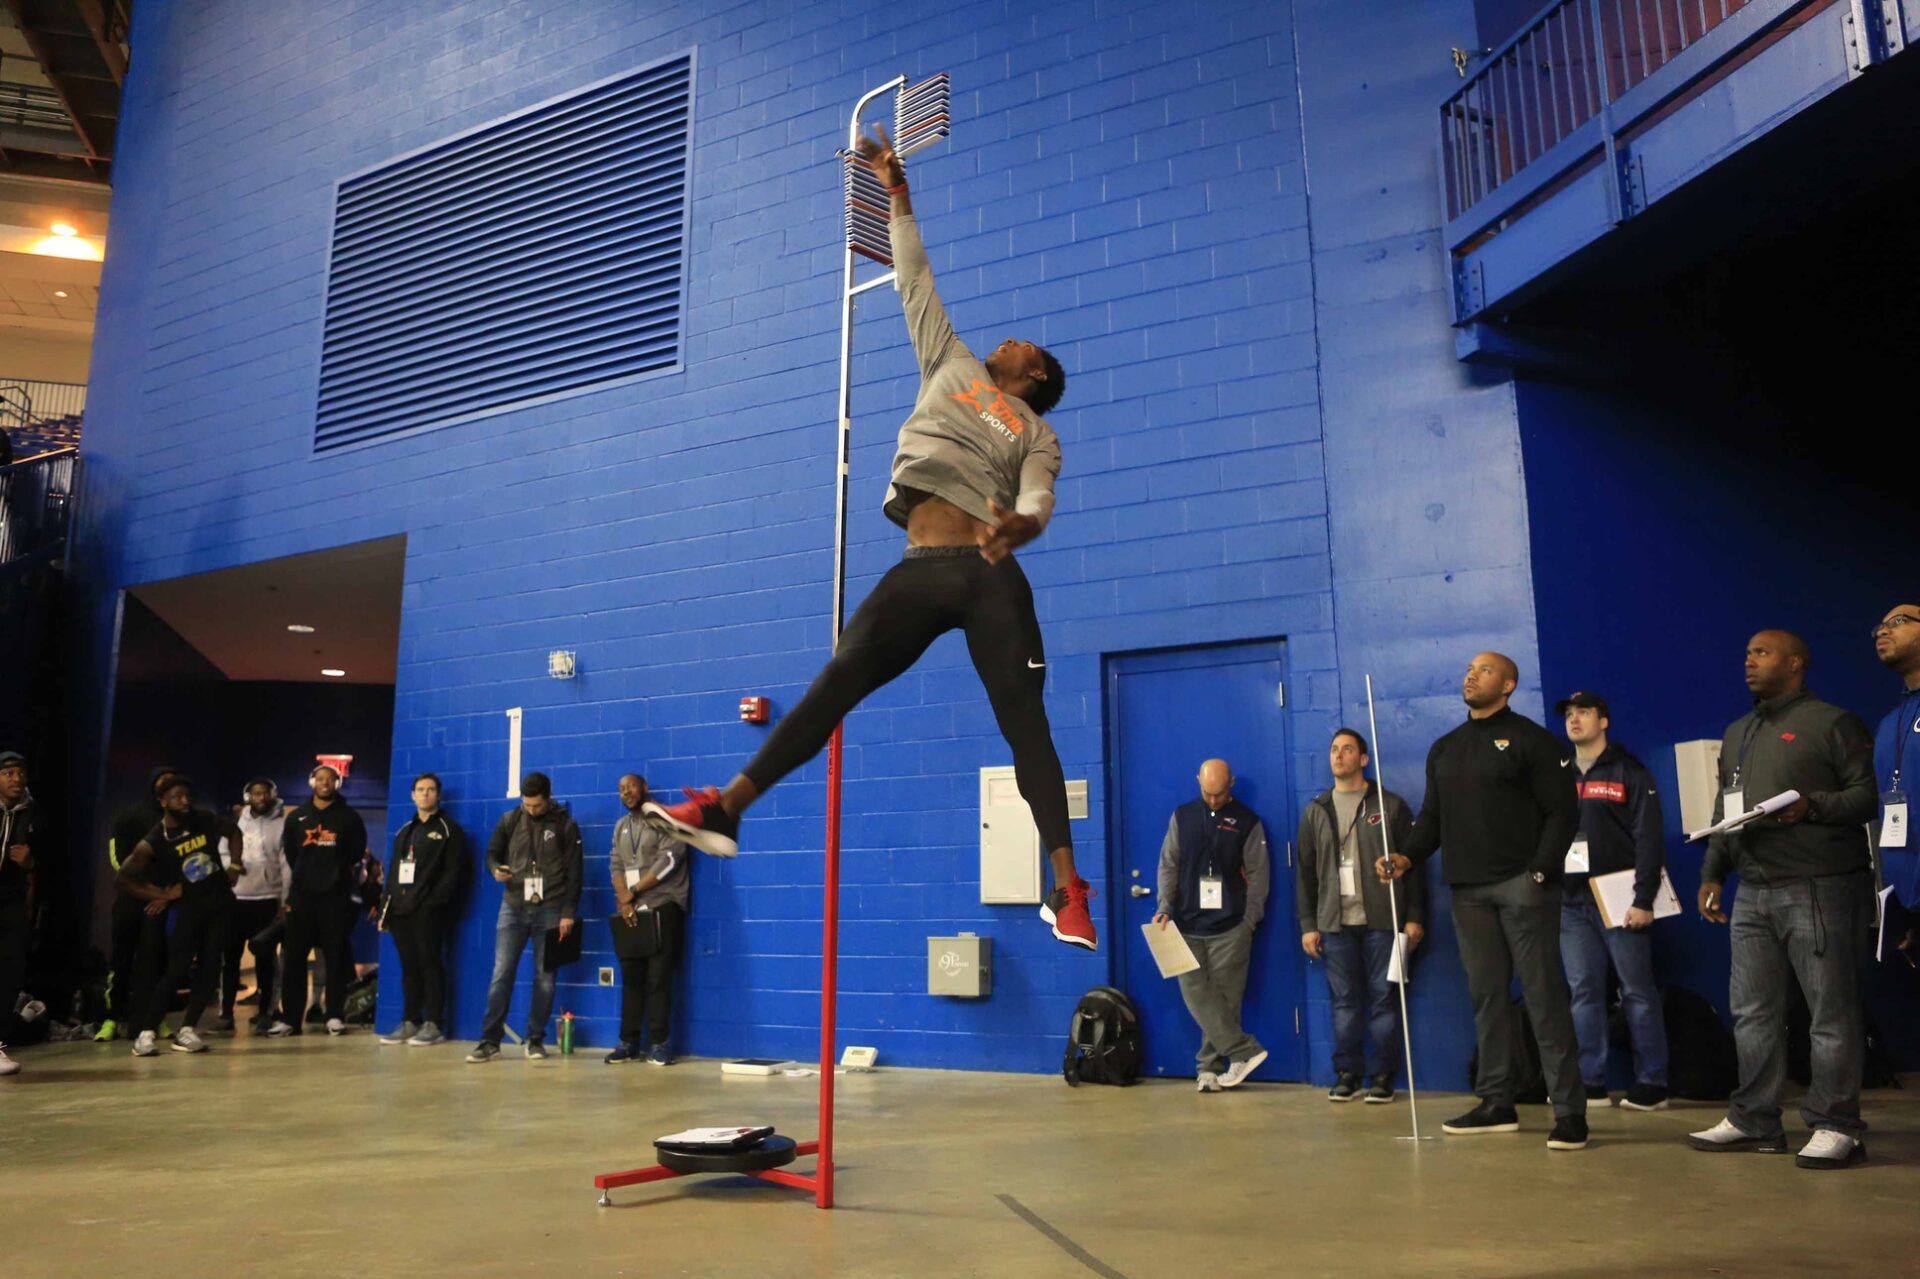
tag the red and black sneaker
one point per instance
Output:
(1066, 909)
(699, 820)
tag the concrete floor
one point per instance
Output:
(341, 1157)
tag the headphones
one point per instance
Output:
(273, 792)
(319, 768)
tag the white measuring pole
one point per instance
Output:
(1393, 904)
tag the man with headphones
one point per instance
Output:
(259, 894)
(324, 840)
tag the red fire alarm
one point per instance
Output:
(754, 710)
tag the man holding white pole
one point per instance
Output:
(1500, 799)
(1347, 919)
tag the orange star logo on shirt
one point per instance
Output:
(1000, 410)
(317, 835)
(971, 396)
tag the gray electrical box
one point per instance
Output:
(960, 966)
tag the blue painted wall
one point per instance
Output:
(1221, 218)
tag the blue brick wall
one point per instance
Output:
(1128, 184)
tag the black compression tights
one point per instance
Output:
(932, 591)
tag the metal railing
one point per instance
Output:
(1557, 73)
(36, 497)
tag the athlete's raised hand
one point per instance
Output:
(1010, 531)
(876, 152)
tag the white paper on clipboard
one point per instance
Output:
(1397, 961)
(1169, 949)
(1765, 808)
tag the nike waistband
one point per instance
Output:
(939, 552)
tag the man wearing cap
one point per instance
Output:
(1620, 829)
(21, 852)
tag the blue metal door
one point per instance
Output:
(1166, 712)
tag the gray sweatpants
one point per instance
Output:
(1507, 930)
(1214, 992)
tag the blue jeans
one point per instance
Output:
(1814, 930)
(520, 923)
(1586, 945)
(1357, 959)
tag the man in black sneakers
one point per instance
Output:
(178, 863)
(324, 840)
(1620, 830)
(1500, 801)
(1804, 907)
(972, 481)
(138, 934)
(1213, 880)
(1346, 918)
(536, 855)
(23, 854)
(423, 882)
(651, 887)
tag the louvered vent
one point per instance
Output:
(534, 257)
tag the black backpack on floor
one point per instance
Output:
(1103, 1042)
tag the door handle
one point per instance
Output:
(1141, 890)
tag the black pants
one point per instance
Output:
(139, 953)
(13, 956)
(194, 945)
(250, 918)
(1507, 930)
(324, 924)
(420, 937)
(646, 985)
(932, 591)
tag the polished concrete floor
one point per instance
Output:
(341, 1157)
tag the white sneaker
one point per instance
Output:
(1206, 1081)
(1238, 1071)
(1723, 1136)
(335, 1026)
(145, 1046)
(1829, 1149)
(8, 1066)
(280, 1029)
(186, 1041)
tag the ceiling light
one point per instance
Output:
(64, 228)
(59, 293)
(333, 671)
(299, 629)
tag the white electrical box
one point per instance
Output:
(960, 966)
(1698, 765)
(1009, 842)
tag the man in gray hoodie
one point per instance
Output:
(259, 896)
(537, 855)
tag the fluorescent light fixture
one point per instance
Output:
(64, 228)
(59, 293)
(333, 671)
(299, 629)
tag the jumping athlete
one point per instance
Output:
(972, 482)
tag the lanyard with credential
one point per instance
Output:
(1746, 746)
(1904, 727)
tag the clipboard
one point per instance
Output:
(1169, 949)
(560, 951)
(1765, 808)
(1613, 894)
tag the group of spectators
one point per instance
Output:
(1523, 820)
(197, 887)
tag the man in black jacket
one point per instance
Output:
(1619, 830)
(1500, 800)
(537, 855)
(1346, 918)
(22, 853)
(139, 936)
(423, 882)
(1804, 908)
(324, 840)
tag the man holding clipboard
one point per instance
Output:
(1620, 830)
(1804, 907)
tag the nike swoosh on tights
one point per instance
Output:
(1033, 665)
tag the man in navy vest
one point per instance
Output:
(1213, 887)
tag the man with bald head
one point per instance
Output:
(1804, 906)
(1213, 887)
(1501, 802)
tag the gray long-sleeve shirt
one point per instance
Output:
(966, 441)
(639, 851)
(1253, 861)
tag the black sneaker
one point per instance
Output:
(483, 1052)
(700, 820)
(1345, 1088)
(536, 1051)
(1485, 1117)
(622, 1053)
(1645, 1097)
(1598, 1092)
(316, 1016)
(223, 1025)
(1569, 1133)
(1380, 1091)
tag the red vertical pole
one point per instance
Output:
(829, 977)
